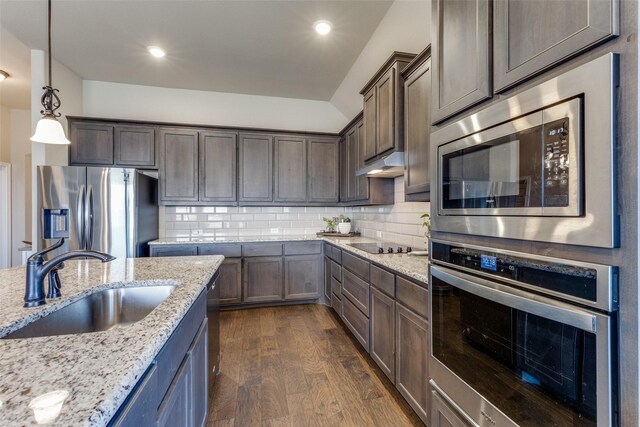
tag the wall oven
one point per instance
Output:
(536, 166)
(523, 340)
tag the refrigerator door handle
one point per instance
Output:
(88, 219)
(80, 208)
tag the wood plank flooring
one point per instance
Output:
(296, 366)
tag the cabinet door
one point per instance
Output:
(370, 117)
(362, 182)
(262, 279)
(530, 37)
(218, 166)
(302, 277)
(461, 55)
(91, 143)
(161, 250)
(385, 122)
(323, 167)
(417, 91)
(256, 168)
(412, 377)
(290, 169)
(178, 165)
(383, 332)
(351, 160)
(135, 146)
(230, 281)
(141, 406)
(327, 278)
(175, 409)
(199, 376)
(343, 170)
(442, 415)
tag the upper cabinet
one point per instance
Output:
(383, 108)
(290, 169)
(417, 128)
(532, 36)
(103, 143)
(218, 166)
(256, 167)
(323, 170)
(461, 41)
(179, 165)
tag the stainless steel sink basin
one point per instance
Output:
(100, 311)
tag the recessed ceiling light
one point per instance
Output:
(156, 51)
(322, 27)
(3, 75)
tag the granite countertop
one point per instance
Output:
(412, 266)
(97, 369)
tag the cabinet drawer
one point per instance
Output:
(336, 286)
(383, 280)
(336, 304)
(227, 250)
(336, 271)
(334, 253)
(356, 265)
(357, 322)
(302, 248)
(177, 250)
(270, 249)
(412, 295)
(357, 291)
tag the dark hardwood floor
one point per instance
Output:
(296, 366)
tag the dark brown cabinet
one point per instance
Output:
(256, 168)
(91, 143)
(135, 146)
(383, 332)
(218, 166)
(290, 153)
(178, 165)
(302, 277)
(323, 170)
(230, 281)
(383, 108)
(412, 351)
(262, 280)
(530, 37)
(461, 40)
(417, 129)
(351, 161)
(327, 279)
(173, 250)
(443, 415)
(362, 181)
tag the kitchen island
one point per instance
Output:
(98, 370)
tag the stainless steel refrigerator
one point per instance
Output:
(112, 210)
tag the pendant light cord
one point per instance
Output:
(49, 26)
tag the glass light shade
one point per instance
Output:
(49, 131)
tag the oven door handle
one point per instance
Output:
(518, 299)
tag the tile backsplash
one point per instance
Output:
(398, 223)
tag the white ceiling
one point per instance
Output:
(252, 47)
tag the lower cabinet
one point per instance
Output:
(173, 250)
(302, 277)
(412, 351)
(262, 279)
(356, 321)
(173, 391)
(443, 415)
(230, 281)
(383, 331)
(327, 279)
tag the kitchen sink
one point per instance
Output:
(100, 311)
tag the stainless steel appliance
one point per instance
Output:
(537, 166)
(523, 340)
(111, 210)
(382, 247)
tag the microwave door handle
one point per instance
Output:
(517, 299)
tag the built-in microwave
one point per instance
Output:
(539, 165)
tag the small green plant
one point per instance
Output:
(344, 218)
(331, 223)
(426, 222)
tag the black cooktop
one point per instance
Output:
(382, 247)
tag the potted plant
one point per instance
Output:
(344, 224)
(331, 224)
(426, 223)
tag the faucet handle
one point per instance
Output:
(54, 282)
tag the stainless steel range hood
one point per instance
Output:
(390, 166)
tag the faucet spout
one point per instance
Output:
(37, 270)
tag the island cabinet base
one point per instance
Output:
(173, 390)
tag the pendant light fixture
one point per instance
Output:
(49, 130)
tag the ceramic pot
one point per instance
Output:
(344, 227)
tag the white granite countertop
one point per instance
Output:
(97, 369)
(412, 266)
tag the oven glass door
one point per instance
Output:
(539, 361)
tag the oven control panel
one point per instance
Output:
(556, 163)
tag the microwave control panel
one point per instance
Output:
(556, 163)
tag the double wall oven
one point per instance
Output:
(523, 340)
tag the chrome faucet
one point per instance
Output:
(37, 269)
